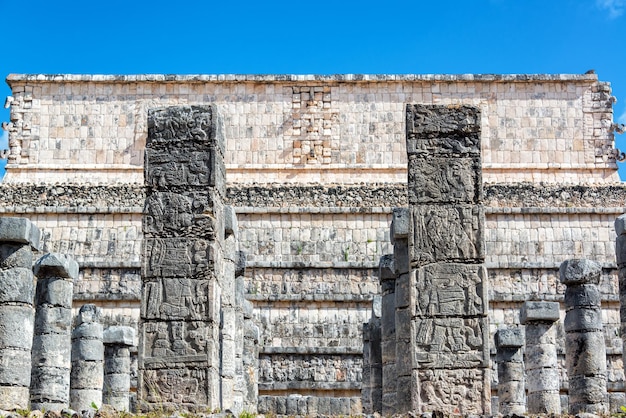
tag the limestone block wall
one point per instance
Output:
(314, 128)
(314, 166)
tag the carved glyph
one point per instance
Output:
(443, 233)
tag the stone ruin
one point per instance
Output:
(433, 318)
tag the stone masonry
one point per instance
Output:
(315, 166)
(18, 237)
(447, 294)
(52, 344)
(182, 267)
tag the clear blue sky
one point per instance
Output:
(310, 37)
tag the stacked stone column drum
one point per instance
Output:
(87, 376)
(182, 260)
(117, 342)
(510, 359)
(448, 321)
(542, 373)
(18, 236)
(50, 384)
(584, 337)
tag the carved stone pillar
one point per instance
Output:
(117, 343)
(585, 353)
(230, 352)
(87, 375)
(183, 226)
(448, 309)
(387, 276)
(620, 254)
(510, 359)
(18, 236)
(541, 362)
(52, 344)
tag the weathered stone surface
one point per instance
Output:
(444, 180)
(56, 265)
(451, 289)
(580, 271)
(533, 311)
(509, 338)
(446, 234)
(119, 335)
(438, 390)
(18, 286)
(15, 256)
(19, 230)
(400, 224)
(443, 130)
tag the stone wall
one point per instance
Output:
(314, 166)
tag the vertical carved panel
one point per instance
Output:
(182, 249)
(449, 326)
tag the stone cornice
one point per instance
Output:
(296, 78)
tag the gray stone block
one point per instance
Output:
(584, 295)
(399, 224)
(53, 320)
(540, 333)
(15, 365)
(56, 265)
(583, 320)
(544, 402)
(52, 350)
(620, 225)
(509, 338)
(20, 230)
(589, 354)
(88, 330)
(116, 360)
(17, 285)
(579, 271)
(533, 311)
(240, 265)
(401, 257)
(50, 384)
(87, 375)
(385, 268)
(13, 397)
(405, 289)
(54, 291)
(230, 221)
(620, 250)
(120, 335)
(510, 371)
(587, 390)
(87, 350)
(16, 327)
(82, 399)
(540, 355)
(15, 256)
(541, 380)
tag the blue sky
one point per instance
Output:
(325, 37)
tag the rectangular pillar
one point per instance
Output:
(179, 358)
(448, 282)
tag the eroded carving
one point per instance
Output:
(443, 180)
(173, 124)
(459, 392)
(175, 215)
(443, 129)
(181, 167)
(178, 257)
(179, 386)
(451, 290)
(176, 341)
(446, 233)
(450, 342)
(176, 298)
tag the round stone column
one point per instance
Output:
(18, 236)
(584, 337)
(50, 383)
(117, 342)
(510, 359)
(87, 377)
(541, 363)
